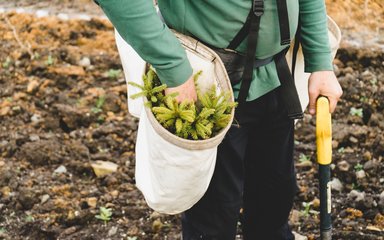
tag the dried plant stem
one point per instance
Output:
(25, 46)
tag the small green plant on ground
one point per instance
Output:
(304, 158)
(357, 186)
(356, 112)
(105, 214)
(7, 62)
(36, 56)
(101, 119)
(364, 99)
(373, 81)
(341, 150)
(99, 104)
(49, 60)
(29, 218)
(358, 167)
(307, 207)
(132, 238)
(114, 73)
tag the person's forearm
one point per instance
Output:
(139, 25)
(314, 35)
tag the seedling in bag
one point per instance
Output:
(219, 103)
(175, 117)
(189, 120)
(153, 90)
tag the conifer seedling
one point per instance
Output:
(189, 120)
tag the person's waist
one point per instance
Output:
(240, 58)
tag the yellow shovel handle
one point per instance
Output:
(323, 131)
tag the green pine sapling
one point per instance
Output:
(189, 120)
(174, 116)
(152, 89)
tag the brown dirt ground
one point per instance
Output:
(361, 21)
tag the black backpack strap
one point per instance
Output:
(285, 35)
(240, 36)
(255, 16)
(287, 88)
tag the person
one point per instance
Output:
(254, 168)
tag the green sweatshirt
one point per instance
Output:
(216, 22)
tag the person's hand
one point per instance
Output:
(323, 83)
(186, 90)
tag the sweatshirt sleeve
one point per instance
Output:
(314, 35)
(138, 23)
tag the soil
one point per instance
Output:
(361, 21)
(63, 106)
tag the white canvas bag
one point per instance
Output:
(171, 172)
(174, 173)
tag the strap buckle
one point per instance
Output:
(258, 7)
(230, 50)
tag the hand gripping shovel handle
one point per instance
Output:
(324, 159)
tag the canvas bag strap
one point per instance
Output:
(296, 46)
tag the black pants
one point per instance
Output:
(254, 171)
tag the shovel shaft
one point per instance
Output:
(326, 235)
(325, 202)
(324, 158)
